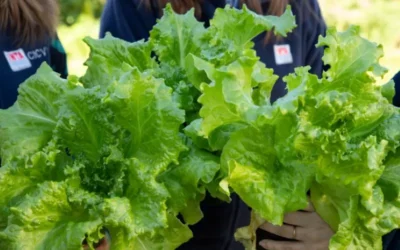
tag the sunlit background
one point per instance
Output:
(379, 21)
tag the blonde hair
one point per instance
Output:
(29, 20)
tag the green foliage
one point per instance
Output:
(71, 10)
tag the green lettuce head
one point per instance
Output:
(118, 148)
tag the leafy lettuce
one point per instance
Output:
(97, 163)
(135, 144)
(334, 136)
(118, 148)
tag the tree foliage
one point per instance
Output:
(71, 10)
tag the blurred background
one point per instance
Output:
(379, 21)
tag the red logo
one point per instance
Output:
(16, 56)
(17, 60)
(283, 51)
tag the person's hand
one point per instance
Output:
(102, 245)
(306, 227)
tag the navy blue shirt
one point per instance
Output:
(391, 241)
(17, 63)
(132, 21)
(396, 99)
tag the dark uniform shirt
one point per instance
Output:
(396, 99)
(17, 63)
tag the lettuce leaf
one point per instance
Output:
(335, 136)
(46, 217)
(97, 167)
(109, 149)
(28, 125)
(116, 57)
(187, 182)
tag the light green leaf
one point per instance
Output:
(193, 132)
(388, 91)
(221, 135)
(111, 57)
(18, 179)
(175, 36)
(228, 98)
(350, 55)
(147, 198)
(165, 239)
(272, 188)
(358, 170)
(143, 105)
(86, 127)
(229, 22)
(187, 181)
(43, 218)
(264, 80)
(198, 70)
(28, 125)
(222, 45)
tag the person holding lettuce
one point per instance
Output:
(27, 39)
(303, 230)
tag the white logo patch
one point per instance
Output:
(283, 55)
(17, 60)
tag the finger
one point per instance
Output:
(282, 245)
(300, 219)
(103, 245)
(285, 231)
